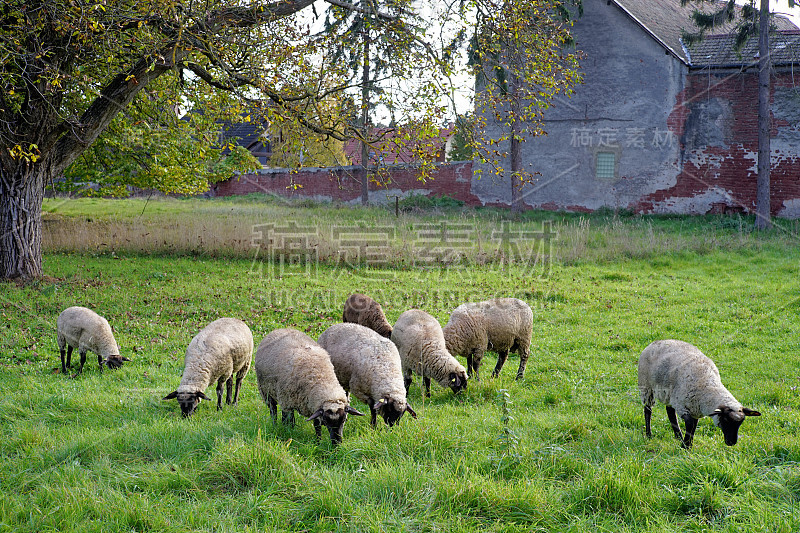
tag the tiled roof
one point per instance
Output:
(665, 20)
(719, 50)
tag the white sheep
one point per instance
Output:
(361, 309)
(296, 373)
(421, 345)
(678, 374)
(223, 348)
(368, 366)
(82, 328)
(501, 324)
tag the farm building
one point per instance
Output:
(659, 127)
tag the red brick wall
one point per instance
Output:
(344, 183)
(728, 168)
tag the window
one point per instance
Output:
(605, 165)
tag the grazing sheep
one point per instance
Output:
(361, 309)
(368, 366)
(687, 382)
(222, 349)
(502, 324)
(421, 345)
(82, 328)
(297, 373)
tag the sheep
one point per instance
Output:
(361, 309)
(297, 373)
(82, 328)
(223, 348)
(421, 345)
(368, 366)
(502, 324)
(678, 374)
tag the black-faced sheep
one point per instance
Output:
(368, 366)
(420, 342)
(361, 309)
(502, 324)
(678, 374)
(220, 350)
(296, 373)
(82, 328)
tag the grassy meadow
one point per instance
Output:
(103, 452)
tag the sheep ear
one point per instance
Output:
(203, 396)
(379, 403)
(750, 412)
(410, 411)
(171, 396)
(352, 411)
(126, 359)
(717, 411)
(315, 415)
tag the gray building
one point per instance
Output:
(657, 126)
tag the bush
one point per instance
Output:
(421, 201)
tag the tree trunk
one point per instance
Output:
(21, 195)
(762, 182)
(515, 148)
(365, 117)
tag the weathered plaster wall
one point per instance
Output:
(624, 106)
(717, 120)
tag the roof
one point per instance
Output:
(719, 51)
(664, 20)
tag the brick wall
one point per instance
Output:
(344, 183)
(719, 158)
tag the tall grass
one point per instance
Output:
(231, 228)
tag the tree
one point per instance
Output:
(71, 68)
(357, 46)
(461, 149)
(750, 23)
(523, 63)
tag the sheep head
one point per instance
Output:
(113, 361)
(391, 410)
(458, 381)
(187, 400)
(334, 418)
(729, 419)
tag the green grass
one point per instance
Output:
(102, 452)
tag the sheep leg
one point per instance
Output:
(228, 390)
(219, 395)
(373, 413)
(501, 360)
(476, 359)
(287, 417)
(648, 412)
(69, 359)
(239, 379)
(318, 428)
(83, 361)
(407, 379)
(691, 425)
(673, 421)
(523, 360)
(273, 409)
(427, 381)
